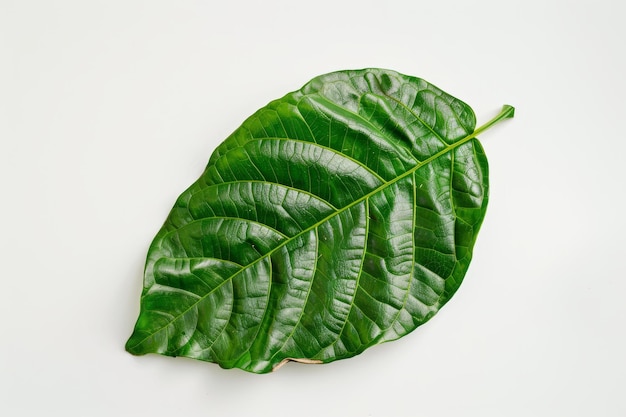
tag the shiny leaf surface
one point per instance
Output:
(338, 217)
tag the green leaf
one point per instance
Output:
(338, 217)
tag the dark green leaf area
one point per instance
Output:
(338, 217)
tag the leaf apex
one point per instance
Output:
(133, 347)
(130, 348)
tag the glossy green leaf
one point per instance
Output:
(338, 217)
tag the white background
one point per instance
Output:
(110, 109)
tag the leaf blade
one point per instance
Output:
(395, 187)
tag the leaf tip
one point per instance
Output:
(130, 348)
(133, 347)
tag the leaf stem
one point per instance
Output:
(507, 112)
